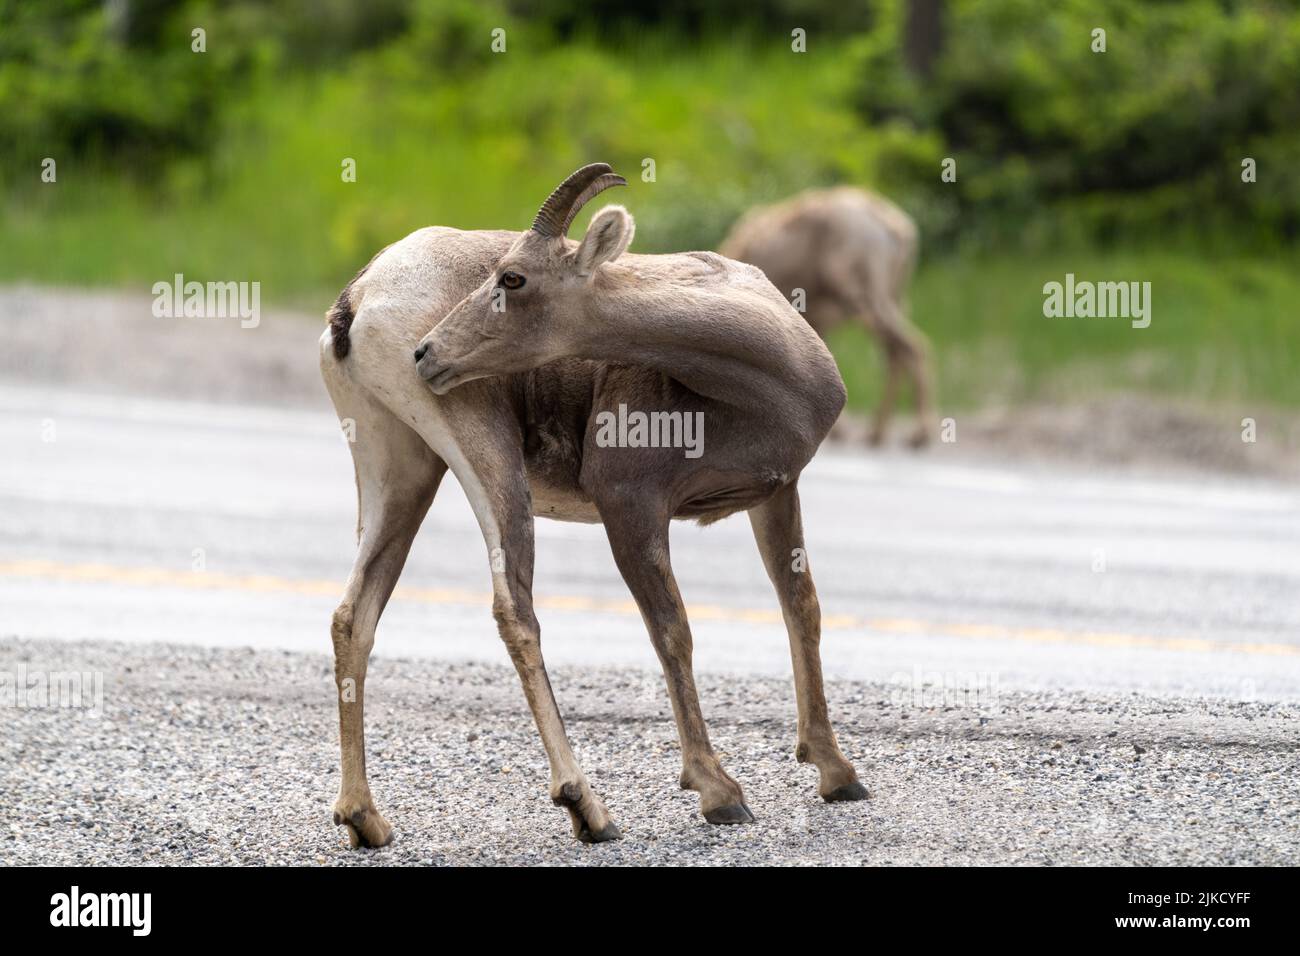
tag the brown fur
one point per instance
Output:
(339, 318)
(511, 405)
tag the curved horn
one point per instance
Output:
(564, 204)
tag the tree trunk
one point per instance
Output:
(923, 36)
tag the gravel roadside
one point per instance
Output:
(204, 756)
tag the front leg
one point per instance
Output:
(488, 461)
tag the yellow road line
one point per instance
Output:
(270, 584)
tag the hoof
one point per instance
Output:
(849, 791)
(736, 813)
(605, 835)
(584, 811)
(366, 829)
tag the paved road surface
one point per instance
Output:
(1045, 579)
(1043, 595)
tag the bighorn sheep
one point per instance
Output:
(853, 254)
(521, 341)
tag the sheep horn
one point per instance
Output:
(564, 204)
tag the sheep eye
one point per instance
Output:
(512, 280)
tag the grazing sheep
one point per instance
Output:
(852, 253)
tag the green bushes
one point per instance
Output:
(227, 164)
(79, 81)
(1056, 143)
(442, 130)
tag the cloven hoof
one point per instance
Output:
(608, 833)
(365, 832)
(736, 813)
(849, 791)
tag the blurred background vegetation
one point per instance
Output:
(1117, 166)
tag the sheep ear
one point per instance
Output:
(608, 235)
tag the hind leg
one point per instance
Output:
(397, 476)
(638, 536)
(906, 353)
(916, 351)
(778, 529)
(916, 359)
(885, 407)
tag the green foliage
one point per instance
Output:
(443, 130)
(82, 79)
(624, 18)
(1055, 142)
(227, 164)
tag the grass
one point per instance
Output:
(1227, 331)
(726, 127)
(479, 149)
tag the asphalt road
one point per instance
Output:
(1029, 664)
